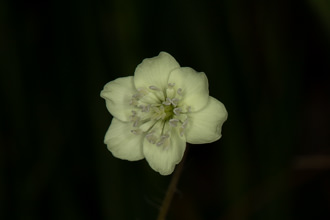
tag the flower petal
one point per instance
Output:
(155, 71)
(205, 125)
(194, 85)
(164, 158)
(122, 143)
(118, 94)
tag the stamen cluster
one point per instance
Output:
(155, 108)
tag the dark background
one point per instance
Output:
(267, 61)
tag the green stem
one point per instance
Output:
(171, 189)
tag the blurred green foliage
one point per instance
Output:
(267, 61)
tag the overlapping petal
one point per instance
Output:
(122, 143)
(160, 109)
(163, 159)
(205, 125)
(117, 95)
(155, 71)
(194, 85)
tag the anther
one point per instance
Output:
(184, 124)
(177, 111)
(145, 108)
(151, 138)
(154, 88)
(136, 132)
(179, 91)
(162, 140)
(173, 122)
(136, 123)
(133, 102)
(175, 101)
(150, 134)
(168, 101)
(142, 92)
(171, 85)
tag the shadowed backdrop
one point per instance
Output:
(268, 62)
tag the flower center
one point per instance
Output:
(168, 110)
(157, 112)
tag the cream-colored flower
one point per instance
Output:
(159, 109)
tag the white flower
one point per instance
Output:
(159, 109)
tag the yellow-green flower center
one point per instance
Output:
(168, 110)
(156, 112)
